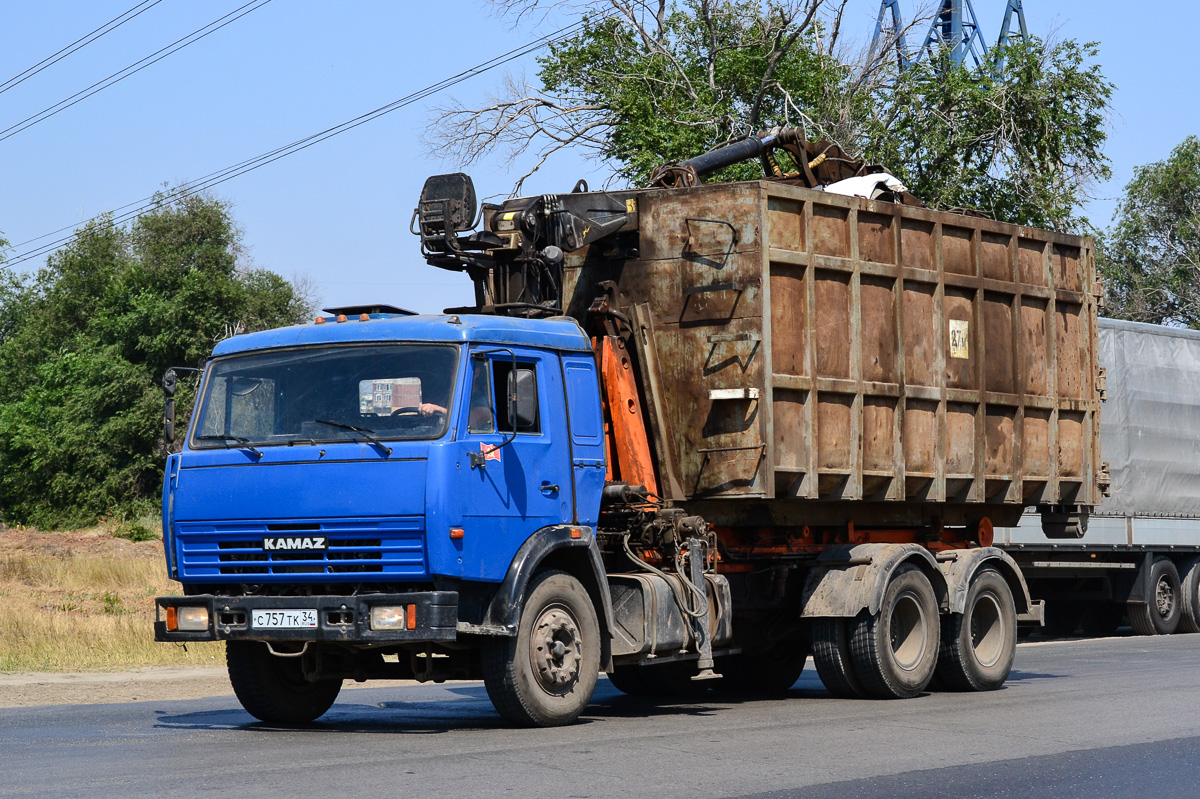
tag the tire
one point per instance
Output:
(769, 672)
(979, 644)
(831, 653)
(630, 680)
(545, 675)
(1159, 614)
(272, 688)
(894, 652)
(1189, 619)
(1102, 619)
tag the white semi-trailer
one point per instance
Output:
(1139, 557)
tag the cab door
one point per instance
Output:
(511, 482)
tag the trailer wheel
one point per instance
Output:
(1189, 620)
(979, 644)
(831, 653)
(273, 688)
(1159, 614)
(545, 675)
(895, 651)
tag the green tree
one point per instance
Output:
(1023, 146)
(1150, 257)
(641, 84)
(86, 341)
(647, 83)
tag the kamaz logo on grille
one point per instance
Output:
(295, 542)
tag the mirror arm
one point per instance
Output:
(480, 458)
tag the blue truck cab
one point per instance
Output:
(385, 485)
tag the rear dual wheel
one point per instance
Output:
(979, 644)
(831, 653)
(890, 654)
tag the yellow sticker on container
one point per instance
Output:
(510, 216)
(630, 206)
(958, 338)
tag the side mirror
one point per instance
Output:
(169, 382)
(523, 402)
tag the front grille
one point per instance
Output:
(386, 548)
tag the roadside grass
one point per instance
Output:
(72, 603)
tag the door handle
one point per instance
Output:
(549, 488)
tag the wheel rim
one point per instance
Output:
(556, 651)
(1164, 598)
(907, 631)
(987, 630)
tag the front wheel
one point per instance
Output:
(979, 644)
(273, 688)
(545, 676)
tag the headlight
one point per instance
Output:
(187, 619)
(389, 617)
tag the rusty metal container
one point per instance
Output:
(809, 350)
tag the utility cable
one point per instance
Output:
(251, 164)
(78, 44)
(132, 69)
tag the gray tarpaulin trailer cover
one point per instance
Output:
(1150, 438)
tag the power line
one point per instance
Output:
(249, 165)
(78, 44)
(130, 70)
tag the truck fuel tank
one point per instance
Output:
(648, 620)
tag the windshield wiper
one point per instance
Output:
(243, 442)
(367, 434)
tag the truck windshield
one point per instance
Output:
(349, 393)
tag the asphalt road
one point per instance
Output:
(1103, 718)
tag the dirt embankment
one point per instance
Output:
(77, 622)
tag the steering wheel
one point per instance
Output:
(407, 410)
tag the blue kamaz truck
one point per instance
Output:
(687, 435)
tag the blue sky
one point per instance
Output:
(338, 213)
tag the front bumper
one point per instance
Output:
(339, 618)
